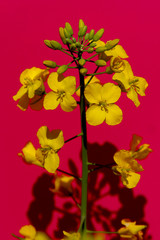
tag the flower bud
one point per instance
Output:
(82, 62)
(73, 46)
(61, 33)
(82, 31)
(81, 24)
(69, 28)
(56, 45)
(100, 63)
(67, 33)
(74, 40)
(69, 41)
(91, 34)
(90, 50)
(100, 49)
(93, 44)
(98, 34)
(48, 43)
(117, 64)
(62, 69)
(109, 70)
(78, 44)
(83, 71)
(112, 43)
(86, 36)
(49, 63)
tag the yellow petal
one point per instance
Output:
(68, 103)
(23, 102)
(94, 80)
(32, 74)
(63, 183)
(123, 158)
(135, 142)
(142, 152)
(131, 94)
(117, 51)
(131, 179)
(110, 92)
(28, 231)
(94, 115)
(93, 93)
(42, 236)
(51, 162)
(100, 43)
(29, 152)
(51, 101)
(54, 81)
(141, 86)
(53, 139)
(113, 114)
(69, 85)
(134, 229)
(22, 91)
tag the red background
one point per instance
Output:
(24, 26)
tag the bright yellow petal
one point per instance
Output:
(53, 139)
(100, 43)
(51, 162)
(122, 158)
(95, 115)
(68, 103)
(31, 91)
(29, 152)
(117, 51)
(131, 94)
(54, 81)
(110, 92)
(22, 91)
(28, 231)
(51, 101)
(93, 93)
(142, 152)
(42, 236)
(113, 114)
(141, 86)
(131, 179)
(135, 142)
(134, 229)
(69, 85)
(94, 80)
(23, 102)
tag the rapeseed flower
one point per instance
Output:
(32, 86)
(94, 80)
(62, 91)
(131, 84)
(102, 108)
(46, 156)
(30, 233)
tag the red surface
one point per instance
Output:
(24, 26)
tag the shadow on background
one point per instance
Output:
(103, 187)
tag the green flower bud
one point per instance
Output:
(92, 44)
(100, 63)
(83, 71)
(81, 24)
(82, 62)
(49, 63)
(48, 43)
(73, 46)
(82, 31)
(66, 33)
(69, 28)
(56, 45)
(91, 34)
(78, 44)
(111, 44)
(68, 40)
(61, 33)
(109, 70)
(62, 69)
(90, 50)
(86, 36)
(100, 49)
(74, 40)
(98, 34)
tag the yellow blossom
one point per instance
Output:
(30, 233)
(62, 91)
(131, 84)
(32, 85)
(102, 107)
(63, 184)
(131, 230)
(71, 236)
(127, 166)
(46, 156)
(94, 80)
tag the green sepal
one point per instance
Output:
(62, 69)
(93, 44)
(90, 50)
(82, 62)
(82, 31)
(56, 45)
(86, 36)
(100, 49)
(49, 63)
(98, 34)
(100, 63)
(83, 71)
(67, 33)
(91, 34)
(69, 28)
(48, 43)
(111, 44)
(62, 36)
(81, 24)
(109, 70)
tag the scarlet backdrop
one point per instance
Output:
(24, 26)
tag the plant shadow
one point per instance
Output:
(108, 201)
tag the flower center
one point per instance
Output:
(61, 95)
(103, 106)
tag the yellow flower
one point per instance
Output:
(131, 230)
(131, 84)
(102, 107)
(127, 166)
(117, 64)
(63, 184)
(46, 156)
(71, 236)
(94, 80)
(32, 84)
(30, 233)
(63, 89)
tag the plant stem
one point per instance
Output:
(16, 236)
(78, 135)
(70, 174)
(101, 232)
(84, 159)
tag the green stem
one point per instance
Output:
(78, 135)
(92, 56)
(88, 231)
(70, 174)
(17, 237)
(100, 166)
(84, 159)
(93, 74)
(66, 52)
